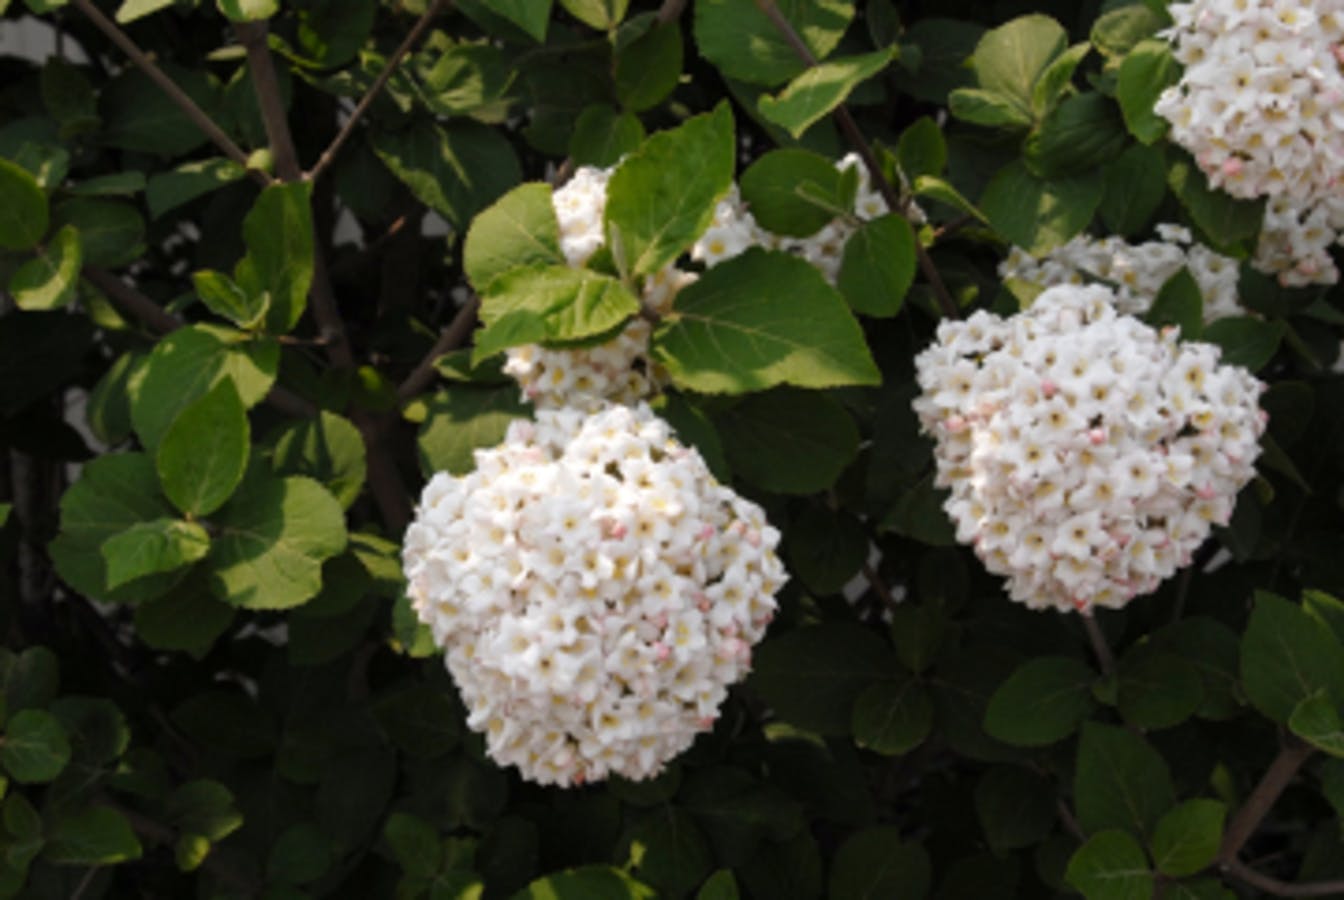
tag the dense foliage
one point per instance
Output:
(269, 267)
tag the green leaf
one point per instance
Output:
(922, 149)
(30, 679)
(820, 89)
(1187, 838)
(1116, 32)
(166, 191)
(328, 449)
(248, 10)
(673, 855)
(663, 195)
(825, 548)
(586, 883)
(519, 230)
(794, 192)
(1054, 81)
(141, 117)
(1111, 866)
(549, 303)
(415, 843)
(1147, 71)
(649, 67)
(278, 231)
(147, 548)
(467, 79)
(992, 109)
(223, 297)
(457, 170)
(111, 232)
(875, 864)
(1016, 807)
(759, 320)
(1135, 185)
(1158, 690)
(1079, 135)
(23, 208)
(1043, 701)
(1221, 216)
(203, 807)
(131, 10)
(878, 266)
(603, 135)
(1316, 720)
(118, 184)
(186, 364)
(301, 854)
(1179, 302)
(50, 281)
(892, 718)
(1038, 214)
(532, 16)
(273, 537)
(114, 493)
(1009, 59)
(227, 721)
(941, 190)
(811, 676)
(461, 420)
(1120, 781)
(1246, 341)
(203, 454)
(600, 14)
(94, 836)
(719, 886)
(737, 811)
(1287, 656)
(70, 98)
(34, 748)
(788, 442)
(186, 618)
(421, 720)
(745, 44)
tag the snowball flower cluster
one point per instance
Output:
(1136, 271)
(595, 589)
(1087, 454)
(1259, 107)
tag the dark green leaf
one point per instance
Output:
(415, 843)
(1316, 720)
(226, 721)
(1146, 72)
(759, 320)
(461, 420)
(1288, 656)
(811, 676)
(892, 718)
(1221, 216)
(34, 748)
(1120, 781)
(186, 618)
(1037, 214)
(95, 836)
(825, 549)
(1079, 135)
(1246, 341)
(148, 548)
(1016, 807)
(1117, 31)
(874, 864)
(599, 14)
(878, 266)
(1179, 302)
(457, 170)
(203, 807)
(719, 886)
(273, 536)
(787, 441)
(300, 854)
(672, 856)
(1044, 701)
(23, 208)
(922, 149)
(111, 232)
(1111, 866)
(1187, 838)
(421, 720)
(993, 109)
(745, 44)
(602, 135)
(663, 195)
(586, 883)
(204, 452)
(532, 16)
(141, 117)
(222, 295)
(328, 449)
(166, 191)
(278, 231)
(1135, 185)
(30, 679)
(649, 67)
(794, 192)
(1158, 690)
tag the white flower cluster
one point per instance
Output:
(1259, 107)
(596, 591)
(1135, 272)
(735, 230)
(1087, 454)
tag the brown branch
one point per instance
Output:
(252, 35)
(670, 11)
(131, 300)
(878, 585)
(1257, 805)
(1099, 646)
(452, 337)
(855, 137)
(1275, 888)
(411, 39)
(1069, 821)
(147, 65)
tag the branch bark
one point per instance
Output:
(452, 337)
(1275, 888)
(197, 115)
(1276, 778)
(1105, 658)
(412, 38)
(850, 129)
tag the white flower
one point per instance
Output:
(595, 591)
(1087, 454)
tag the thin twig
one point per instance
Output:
(1273, 887)
(855, 137)
(1277, 777)
(452, 337)
(878, 585)
(1099, 646)
(411, 39)
(670, 11)
(131, 300)
(197, 115)
(1069, 821)
(252, 35)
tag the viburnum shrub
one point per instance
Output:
(777, 449)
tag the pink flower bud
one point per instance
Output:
(1049, 388)
(662, 651)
